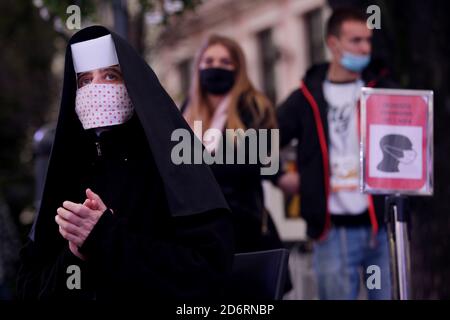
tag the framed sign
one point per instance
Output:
(396, 141)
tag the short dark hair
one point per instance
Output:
(341, 15)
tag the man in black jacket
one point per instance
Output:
(323, 114)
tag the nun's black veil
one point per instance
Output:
(190, 189)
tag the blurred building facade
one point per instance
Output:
(280, 38)
(285, 37)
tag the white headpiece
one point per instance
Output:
(94, 54)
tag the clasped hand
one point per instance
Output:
(77, 220)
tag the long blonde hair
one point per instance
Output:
(199, 108)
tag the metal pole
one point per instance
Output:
(390, 222)
(403, 258)
(399, 247)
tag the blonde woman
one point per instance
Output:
(222, 97)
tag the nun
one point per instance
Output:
(118, 219)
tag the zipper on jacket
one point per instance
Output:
(99, 149)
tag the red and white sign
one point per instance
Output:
(397, 141)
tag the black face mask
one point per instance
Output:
(216, 80)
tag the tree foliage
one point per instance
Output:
(26, 93)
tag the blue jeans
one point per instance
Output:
(339, 259)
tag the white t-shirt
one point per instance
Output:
(345, 197)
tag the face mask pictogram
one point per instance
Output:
(396, 149)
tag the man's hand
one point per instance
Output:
(289, 183)
(76, 220)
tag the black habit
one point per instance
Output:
(166, 234)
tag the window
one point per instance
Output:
(184, 69)
(269, 56)
(315, 32)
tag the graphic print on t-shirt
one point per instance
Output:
(344, 144)
(342, 99)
